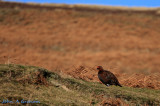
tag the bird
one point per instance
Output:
(107, 77)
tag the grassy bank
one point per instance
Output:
(37, 84)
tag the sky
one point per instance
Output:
(127, 3)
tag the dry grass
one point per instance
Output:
(66, 90)
(126, 43)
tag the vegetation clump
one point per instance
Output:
(29, 83)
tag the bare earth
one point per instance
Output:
(75, 41)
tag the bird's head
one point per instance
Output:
(100, 68)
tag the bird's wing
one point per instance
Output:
(110, 76)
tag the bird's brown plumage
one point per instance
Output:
(107, 78)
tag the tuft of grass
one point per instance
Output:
(20, 82)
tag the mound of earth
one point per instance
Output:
(39, 86)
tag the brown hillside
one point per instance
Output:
(75, 39)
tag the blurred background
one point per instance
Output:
(74, 39)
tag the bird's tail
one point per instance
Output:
(119, 85)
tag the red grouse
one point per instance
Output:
(107, 78)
